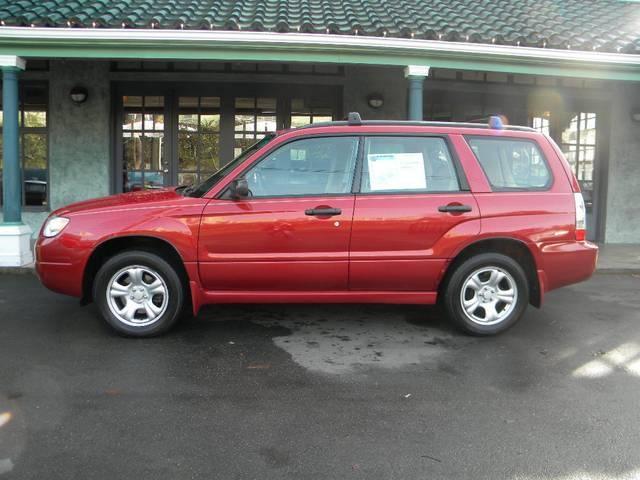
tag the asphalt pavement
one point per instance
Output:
(322, 392)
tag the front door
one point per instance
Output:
(410, 198)
(292, 232)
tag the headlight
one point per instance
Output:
(54, 226)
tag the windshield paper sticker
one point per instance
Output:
(396, 171)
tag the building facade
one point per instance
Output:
(100, 102)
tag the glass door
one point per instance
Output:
(179, 134)
(578, 142)
(144, 158)
(198, 138)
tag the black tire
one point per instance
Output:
(156, 265)
(453, 290)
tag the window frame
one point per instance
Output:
(550, 181)
(225, 193)
(22, 131)
(463, 184)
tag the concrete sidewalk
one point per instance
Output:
(612, 258)
(619, 258)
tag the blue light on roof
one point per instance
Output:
(495, 122)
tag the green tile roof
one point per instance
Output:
(601, 25)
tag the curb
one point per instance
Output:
(618, 271)
(18, 270)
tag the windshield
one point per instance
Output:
(205, 186)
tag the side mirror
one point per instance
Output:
(239, 188)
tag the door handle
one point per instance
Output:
(323, 212)
(454, 208)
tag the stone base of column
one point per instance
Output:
(15, 245)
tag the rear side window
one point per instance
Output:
(411, 164)
(511, 163)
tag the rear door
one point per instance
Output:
(412, 198)
(292, 233)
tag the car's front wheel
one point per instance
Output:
(138, 293)
(486, 294)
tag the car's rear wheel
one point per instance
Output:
(486, 294)
(138, 293)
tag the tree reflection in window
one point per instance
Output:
(198, 138)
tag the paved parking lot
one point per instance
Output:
(322, 392)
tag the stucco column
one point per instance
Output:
(416, 75)
(15, 246)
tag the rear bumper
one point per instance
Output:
(566, 263)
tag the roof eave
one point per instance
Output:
(313, 48)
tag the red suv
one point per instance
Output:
(482, 218)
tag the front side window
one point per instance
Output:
(312, 166)
(511, 163)
(34, 145)
(411, 164)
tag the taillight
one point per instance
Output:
(581, 217)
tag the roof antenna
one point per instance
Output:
(354, 119)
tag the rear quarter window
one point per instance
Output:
(511, 164)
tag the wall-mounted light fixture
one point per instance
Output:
(78, 95)
(635, 114)
(375, 100)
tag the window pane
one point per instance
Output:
(210, 123)
(188, 123)
(34, 148)
(188, 102)
(35, 100)
(507, 163)
(132, 121)
(266, 123)
(317, 119)
(154, 102)
(128, 101)
(187, 178)
(306, 167)
(153, 180)
(152, 151)
(242, 143)
(209, 102)
(35, 119)
(300, 120)
(246, 103)
(245, 122)
(266, 104)
(187, 151)
(407, 164)
(209, 153)
(132, 181)
(131, 151)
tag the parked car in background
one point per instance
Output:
(34, 185)
(483, 218)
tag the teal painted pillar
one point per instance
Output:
(416, 85)
(11, 176)
(416, 75)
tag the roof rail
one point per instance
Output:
(354, 119)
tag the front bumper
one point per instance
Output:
(60, 265)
